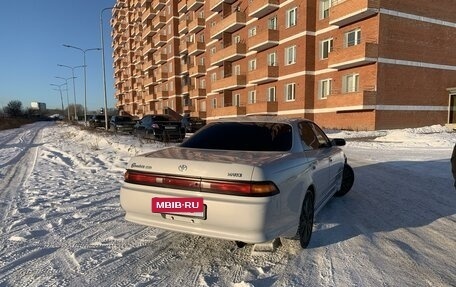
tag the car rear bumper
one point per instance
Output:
(240, 218)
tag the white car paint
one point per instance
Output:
(233, 217)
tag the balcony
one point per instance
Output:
(187, 88)
(159, 40)
(263, 75)
(161, 76)
(183, 47)
(158, 4)
(362, 99)
(196, 48)
(229, 83)
(264, 40)
(182, 6)
(193, 5)
(231, 53)
(149, 81)
(197, 71)
(357, 55)
(227, 111)
(147, 14)
(262, 108)
(148, 31)
(217, 5)
(149, 98)
(348, 11)
(149, 48)
(197, 94)
(229, 24)
(183, 69)
(143, 2)
(162, 95)
(260, 8)
(183, 26)
(149, 64)
(196, 25)
(160, 58)
(158, 22)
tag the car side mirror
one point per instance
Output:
(338, 142)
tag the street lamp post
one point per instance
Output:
(74, 87)
(60, 90)
(68, 99)
(85, 75)
(103, 62)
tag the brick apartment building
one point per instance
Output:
(355, 64)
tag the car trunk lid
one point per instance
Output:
(209, 164)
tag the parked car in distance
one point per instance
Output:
(259, 178)
(159, 127)
(122, 124)
(96, 121)
(192, 124)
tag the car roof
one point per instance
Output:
(262, 118)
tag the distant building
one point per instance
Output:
(355, 64)
(41, 107)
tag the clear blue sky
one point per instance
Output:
(32, 33)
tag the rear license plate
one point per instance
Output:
(188, 207)
(170, 128)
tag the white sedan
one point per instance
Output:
(249, 179)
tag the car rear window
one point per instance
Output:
(123, 119)
(246, 136)
(161, 118)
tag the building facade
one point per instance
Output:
(352, 64)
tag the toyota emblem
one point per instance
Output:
(182, 167)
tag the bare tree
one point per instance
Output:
(13, 108)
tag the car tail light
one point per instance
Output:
(266, 188)
(155, 126)
(240, 188)
(162, 180)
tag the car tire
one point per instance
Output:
(240, 244)
(306, 220)
(348, 178)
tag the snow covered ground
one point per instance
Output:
(61, 223)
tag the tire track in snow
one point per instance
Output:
(14, 176)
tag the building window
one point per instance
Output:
(326, 46)
(291, 17)
(252, 31)
(237, 70)
(290, 55)
(272, 23)
(237, 39)
(252, 97)
(203, 83)
(252, 65)
(201, 38)
(324, 8)
(214, 103)
(350, 83)
(272, 59)
(213, 50)
(171, 85)
(290, 92)
(201, 61)
(353, 38)
(213, 77)
(324, 88)
(237, 100)
(271, 94)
